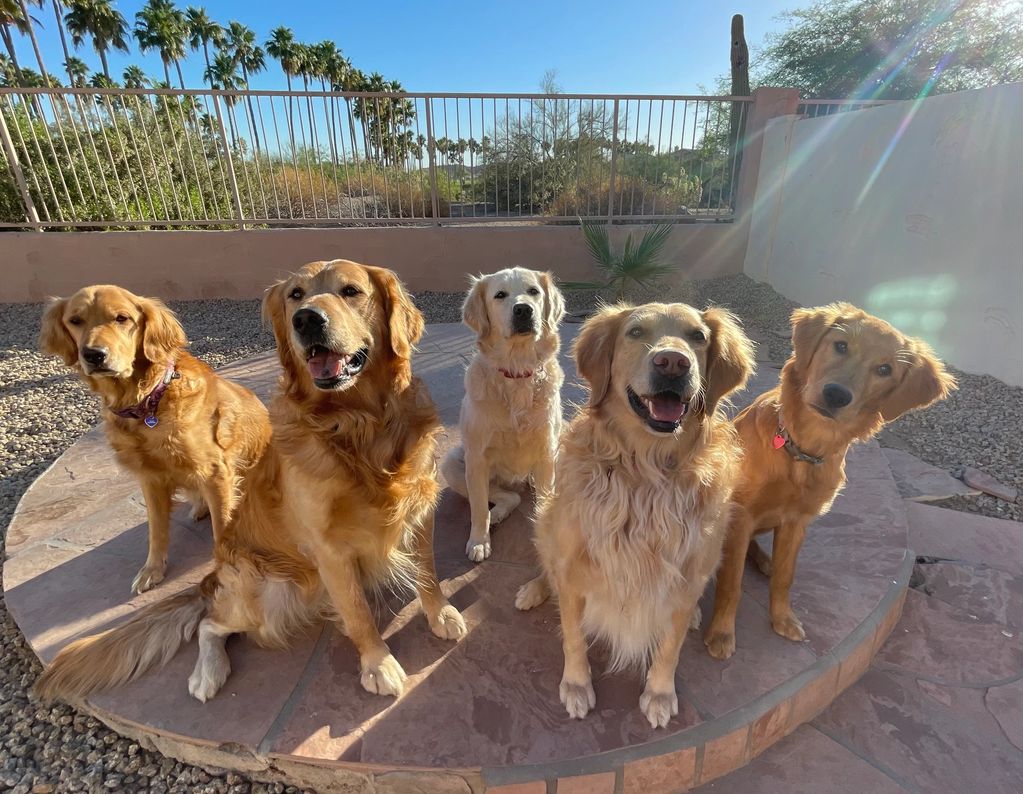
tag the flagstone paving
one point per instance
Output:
(484, 713)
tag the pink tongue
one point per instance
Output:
(665, 409)
(325, 365)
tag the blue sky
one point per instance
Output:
(606, 46)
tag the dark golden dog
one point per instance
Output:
(342, 500)
(173, 423)
(849, 373)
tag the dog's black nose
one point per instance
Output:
(672, 362)
(308, 321)
(94, 356)
(522, 311)
(836, 396)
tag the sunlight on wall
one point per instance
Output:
(916, 305)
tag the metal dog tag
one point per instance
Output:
(150, 421)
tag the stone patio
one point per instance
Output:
(484, 713)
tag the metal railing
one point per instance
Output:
(813, 108)
(86, 158)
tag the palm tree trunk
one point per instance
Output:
(291, 109)
(103, 60)
(35, 44)
(351, 126)
(166, 73)
(63, 42)
(252, 114)
(206, 55)
(27, 99)
(181, 78)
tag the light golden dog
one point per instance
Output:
(173, 423)
(644, 477)
(511, 412)
(849, 373)
(343, 500)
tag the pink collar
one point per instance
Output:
(515, 375)
(146, 410)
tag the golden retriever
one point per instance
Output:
(342, 500)
(171, 420)
(635, 525)
(848, 374)
(511, 412)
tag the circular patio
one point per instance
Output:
(481, 714)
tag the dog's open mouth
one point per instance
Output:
(331, 369)
(662, 411)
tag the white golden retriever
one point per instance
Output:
(511, 412)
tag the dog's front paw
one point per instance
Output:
(208, 677)
(148, 578)
(789, 627)
(659, 707)
(578, 699)
(478, 550)
(532, 594)
(385, 677)
(720, 644)
(448, 624)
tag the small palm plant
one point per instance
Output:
(638, 264)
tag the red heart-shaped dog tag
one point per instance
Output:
(778, 441)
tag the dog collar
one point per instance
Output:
(146, 410)
(515, 375)
(782, 440)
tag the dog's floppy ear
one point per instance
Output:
(809, 327)
(54, 339)
(553, 303)
(474, 309)
(162, 334)
(594, 349)
(272, 312)
(925, 382)
(404, 321)
(729, 358)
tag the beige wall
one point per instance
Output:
(237, 264)
(913, 211)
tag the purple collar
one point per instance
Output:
(146, 410)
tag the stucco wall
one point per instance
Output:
(913, 211)
(239, 264)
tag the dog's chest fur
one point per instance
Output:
(649, 530)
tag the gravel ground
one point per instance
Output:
(43, 410)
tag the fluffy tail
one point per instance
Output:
(122, 654)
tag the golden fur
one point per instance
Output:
(343, 500)
(835, 344)
(634, 528)
(209, 431)
(509, 425)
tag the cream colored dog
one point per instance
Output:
(511, 412)
(645, 472)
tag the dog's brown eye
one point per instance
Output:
(698, 336)
(500, 295)
(533, 291)
(296, 294)
(842, 347)
(635, 332)
(884, 370)
(350, 291)
(121, 319)
(75, 321)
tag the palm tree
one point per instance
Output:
(282, 46)
(63, 38)
(8, 77)
(134, 77)
(100, 21)
(160, 26)
(223, 74)
(12, 15)
(326, 62)
(100, 80)
(241, 43)
(77, 71)
(203, 31)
